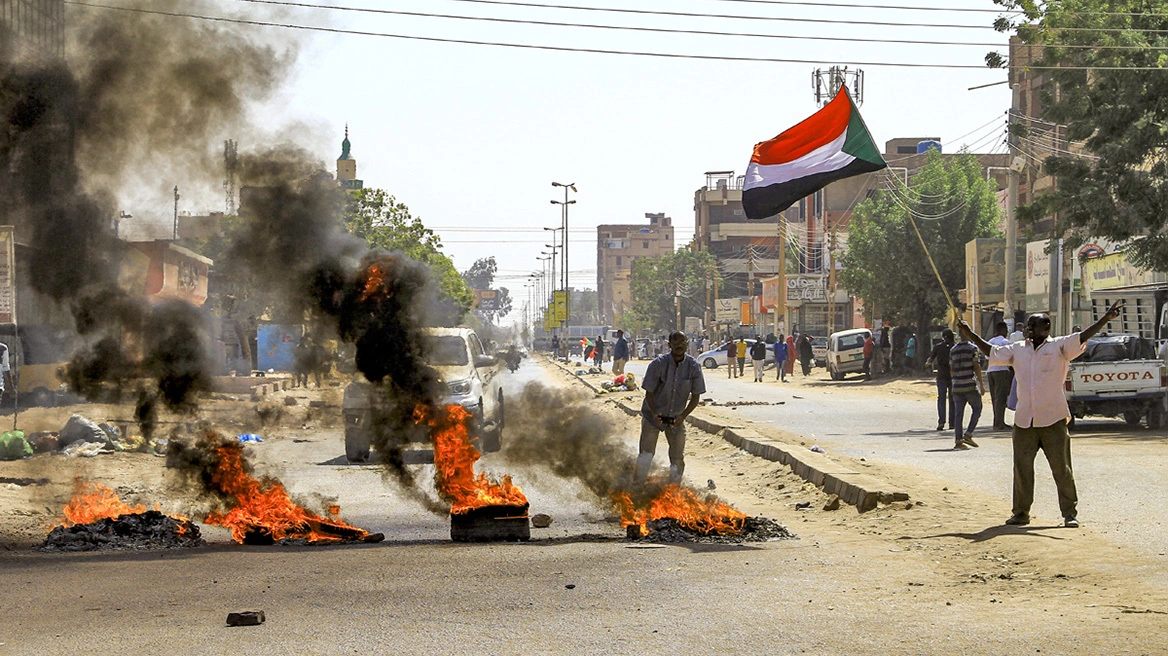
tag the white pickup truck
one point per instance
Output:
(1119, 376)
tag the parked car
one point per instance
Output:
(715, 357)
(473, 380)
(819, 351)
(845, 352)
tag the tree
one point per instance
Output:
(481, 276)
(656, 282)
(377, 217)
(884, 264)
(1118, 188)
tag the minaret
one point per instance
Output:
(347, 166)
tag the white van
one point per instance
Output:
(845, 352)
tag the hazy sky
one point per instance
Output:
(470, 137)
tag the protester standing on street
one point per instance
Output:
(939, 360)
(673, 385)
(741, 353)
(1000, 377)
(869, 349)
(1040, 420)
(781, 355)
(732, 358)
(620, 353)
(803, 347)
(758, 357)
(967, 388)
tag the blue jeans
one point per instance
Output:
(945, 400)
(973, 398)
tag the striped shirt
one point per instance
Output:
(961, 359)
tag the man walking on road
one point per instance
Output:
(939, 359)
(1040, 421)
(967, 388)
(1001, 376)
(741, 353)
(758, 357)
(673, 386)
(781, 356)
(620, 353)
(732, 358)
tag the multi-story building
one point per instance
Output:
(32, 29)
(617, 247)
(814, 227)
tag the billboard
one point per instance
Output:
(7, 275)
(985, 271)
(727, 310)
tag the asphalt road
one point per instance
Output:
(576, 588)
(1121, 473)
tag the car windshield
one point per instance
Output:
(446, 351)
(848, 342)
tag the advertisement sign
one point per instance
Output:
(7, 275)
(1115, 271)
(770, 294)
(727, 310)
(487, 300)
(561, 306)
(1039, 276)
(985, 271)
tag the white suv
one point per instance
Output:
(473, 380)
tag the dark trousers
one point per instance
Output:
(960, 399)
(999, 392)
(944, 400)
(1055, 442)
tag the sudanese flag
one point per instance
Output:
(832, 144)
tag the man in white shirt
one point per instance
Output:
(1040, 420)
(1000, 377)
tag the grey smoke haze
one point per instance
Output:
(137, 94)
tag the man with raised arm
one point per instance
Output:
(1040, 420)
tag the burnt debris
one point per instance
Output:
(146, 530)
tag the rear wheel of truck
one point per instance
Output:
(1132, 418)
(1156, 417)
(357, 444)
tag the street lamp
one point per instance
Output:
(564, 226)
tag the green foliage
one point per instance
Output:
(884, 263)
(654, 282)
(377, 217)
(1118, 115)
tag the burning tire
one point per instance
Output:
(357, 443)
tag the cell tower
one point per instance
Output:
(230, 166)
(828, 82)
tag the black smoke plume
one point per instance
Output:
(138, 98)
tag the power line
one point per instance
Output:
(684, 14)
(604, 51)
(629, 28)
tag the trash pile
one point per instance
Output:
(81, 437)
(145, 530)
(622, 383)
(754, 529)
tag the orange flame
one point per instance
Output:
(454, 459)
(704, 514)
(265, 507)
(93, 501)
(374, 277)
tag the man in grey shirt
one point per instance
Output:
(673, 386)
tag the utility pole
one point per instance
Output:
(781, 301)
(1016, 165)
(176, 197)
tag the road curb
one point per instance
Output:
(861, 490)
